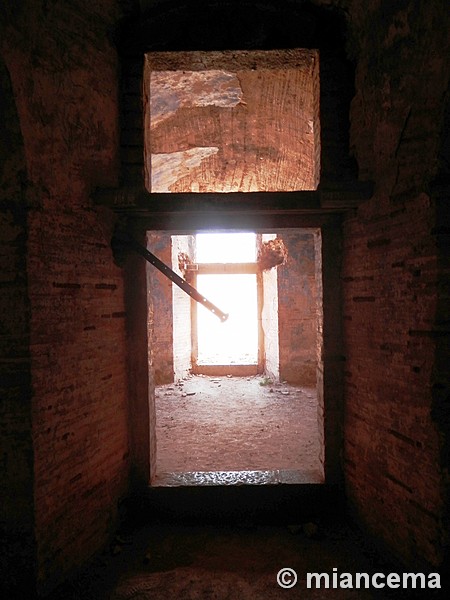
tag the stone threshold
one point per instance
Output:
(236, 478)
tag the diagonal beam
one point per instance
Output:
(127, 240)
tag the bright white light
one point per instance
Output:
(236, 340)
(226, 247)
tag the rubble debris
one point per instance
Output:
(272, 253)
(183, 261)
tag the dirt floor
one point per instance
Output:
(231, 423)
(236, 424)
(164, 562)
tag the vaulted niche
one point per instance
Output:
(232, 121)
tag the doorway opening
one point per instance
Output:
(234, 342)
(226, 274)
(239, 407)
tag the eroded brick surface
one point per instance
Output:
(297, 310)
(64, 87)
(391, 282)
(17, 507)
(160, 289)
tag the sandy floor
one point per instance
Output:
(236, 423)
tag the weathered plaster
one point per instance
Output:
(171, 90)
(168, 168)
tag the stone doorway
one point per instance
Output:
(256, 423)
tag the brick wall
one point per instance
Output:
(181, 308)
(269, 318)
(65, 88)
(320, 352)
(141, 397)
(17, 510)
(393, 434)
(160, 289)
(63, 76)
(79, 383)
(330, 354)
(171, 338)
(297, 310)
(389, 307)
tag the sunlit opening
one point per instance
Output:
(260, 146)
(226, 247)
(234, 342)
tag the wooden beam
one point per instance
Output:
(138, 199)
(331, 197)
(187, 223)
(226, 268)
